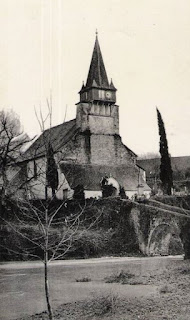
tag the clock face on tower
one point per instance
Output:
(108, 94)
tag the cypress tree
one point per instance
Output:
(51, 170)
(166, 175)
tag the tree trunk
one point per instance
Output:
(4, 186)
(50, 313)
(46, 193)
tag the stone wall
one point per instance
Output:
(101, 124)
(102, 149)
(77, 149)
(122, 154)
(98, 118)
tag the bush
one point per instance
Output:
(165, 289)
(103, 304)
(112, 231)
(90, 243)
(84, 279)
(178, 201)
(122, 277)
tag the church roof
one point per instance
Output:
(59, 136)
(97, 72)
(90, 176)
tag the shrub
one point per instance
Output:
(185, 270)
(104, 304)
(79, 193)
(165, 289)
(90, 243)
(122, 277)
(84, 279)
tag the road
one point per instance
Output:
(22, 284)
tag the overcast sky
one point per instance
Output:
(47, 44)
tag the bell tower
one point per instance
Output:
(97, 111)
(97, 88)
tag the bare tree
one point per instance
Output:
(12, 141)
(47, 232)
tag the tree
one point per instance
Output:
(79, 193)
(52, 180)
(166, 175)
(12, 140)
(47, 233)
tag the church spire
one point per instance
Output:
(97, 72)
(97, 88)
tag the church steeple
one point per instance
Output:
(97, 71)
(97, 88)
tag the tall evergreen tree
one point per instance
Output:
(51, 170)
(166, 175)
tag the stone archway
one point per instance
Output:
(162, 238)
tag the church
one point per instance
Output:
(88, 149)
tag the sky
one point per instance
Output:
(46, 48)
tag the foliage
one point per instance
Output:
(121, 277)
(79, 193)
(108, 191)
(165, 166)
(104, 304)
(91, 243)
(165, 289)
(178, 201)
(122, 193)
(144, 221)
(111, 232)
(84, 279)
(187, 173)
(175, 246)
(185, 236)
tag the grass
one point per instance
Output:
(185, 270)
(171, 300)
(124, 277)
(165, 289)
(103, 304)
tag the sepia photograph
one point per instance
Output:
(94, 169)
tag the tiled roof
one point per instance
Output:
(58, 135)
(90, 176)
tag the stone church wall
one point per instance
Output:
(102, 149)
(77, 149)
(98, 118)
(122, 154)
(101, 124)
